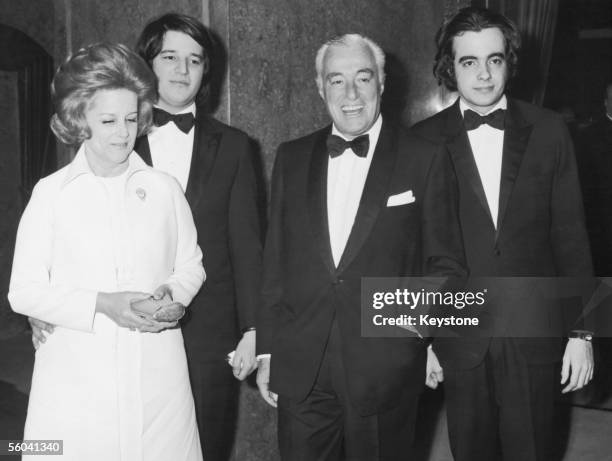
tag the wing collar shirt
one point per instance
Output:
(346, 176)
(171, 149)
(487, 147)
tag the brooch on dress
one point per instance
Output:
(141, 193)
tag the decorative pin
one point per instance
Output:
(140, 192)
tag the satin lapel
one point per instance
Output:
(516, 138)
(317, 200)
(458, 144)
(142, 148)
(373, 196)
(205, 148)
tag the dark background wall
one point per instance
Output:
(10, 203)
(581, 63)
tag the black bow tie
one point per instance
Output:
(336, 145)
(183, 122)
(473, 120)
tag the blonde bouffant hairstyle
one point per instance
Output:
(98, 67)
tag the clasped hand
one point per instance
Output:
(117, 307)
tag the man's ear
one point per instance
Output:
(320, 88)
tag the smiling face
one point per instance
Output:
(112, 117)
(480, 68)
(179, 68)
(351, 87)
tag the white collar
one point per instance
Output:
(190, 108)
(80, 165)
(501, 104)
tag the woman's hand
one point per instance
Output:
(117, 307)
(172, 311)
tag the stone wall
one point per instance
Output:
(272, 48)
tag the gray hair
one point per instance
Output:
(347, 40)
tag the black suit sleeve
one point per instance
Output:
(442, 244)
(272, 288)
(245, 236)
(569, 237)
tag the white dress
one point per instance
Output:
(109, 393)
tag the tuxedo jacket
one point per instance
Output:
(222, 191)
(303, 290)
(595, 165)
(540, 230)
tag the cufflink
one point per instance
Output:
(581, 334)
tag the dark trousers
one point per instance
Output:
(326, 427)
(504, 403)
(216, 393)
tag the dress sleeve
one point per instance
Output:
(30, 291)
(188, 275)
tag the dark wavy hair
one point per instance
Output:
(472, 19)
(151, 40)
(98, 67)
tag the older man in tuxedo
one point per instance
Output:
(334, 220)
(521, 215)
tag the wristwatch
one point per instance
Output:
(581, 334)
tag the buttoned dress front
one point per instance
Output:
(109, 393)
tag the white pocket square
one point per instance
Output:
(401, 199)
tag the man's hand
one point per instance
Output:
(577, 364)
(163, 292)
(433, 371)
(40, 329)
(263, 382)
(244, 361)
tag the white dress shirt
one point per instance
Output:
(171, 149)
(487, 147)
(346, 176)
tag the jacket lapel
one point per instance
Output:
(142, 148)
(458, 144)
(516, 138)
(373, 195)
(317, 199)
(205, 148)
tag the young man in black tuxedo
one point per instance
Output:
(521, 216)
(358, 198)
(216, 168)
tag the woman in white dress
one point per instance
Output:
(97, 235)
